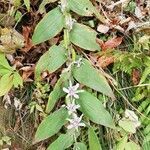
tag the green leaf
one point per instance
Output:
(79, 146)
(86, 74)
(17, 80)
(27, 4)
(121, 144)
(51, 61)
(4, 63)
(51, 125)
(6, 83)
(63, 142)
(145, 74)
(49, 26)
(81, 7)
(132, 146)
(42, 5)
(84, 8)
(4, 71)
(84, 37)
(94, 110)
(57, 92)
(94, 143)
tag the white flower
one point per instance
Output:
(72, 91)
(75, 122)
(132, 117)
(69, 22)
(78, 62)
(72, 107)
(17, 103)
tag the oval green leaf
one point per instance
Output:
(63, 142)
(94, 110)
(51, 125)
(49, 26)
(94, 143)
(51, 61)
(86, 74)
(84, 37)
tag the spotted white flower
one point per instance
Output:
(132, 117)
(78, 62)
(72, 91)
(69, 22)
(75, 122)
(72, 107)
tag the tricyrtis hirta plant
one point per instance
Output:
(79, 107)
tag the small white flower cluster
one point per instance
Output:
(78, 63)
(72, 95)
(69, 22)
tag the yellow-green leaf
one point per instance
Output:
(6, 83)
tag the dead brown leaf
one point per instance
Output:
(28, 41)
(135, 76)
(112, 43)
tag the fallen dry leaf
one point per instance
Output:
(28, 41)
(135, 76)
(27, 71)
(101, 61)
(112, 43)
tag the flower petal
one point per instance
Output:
(65, 90)
(76, 96)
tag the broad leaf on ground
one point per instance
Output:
(86, 74)
(84, 37)
(49, 26)
(54, 58)
(94, 110)
(51, 125)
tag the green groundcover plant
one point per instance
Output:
(85, 93)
